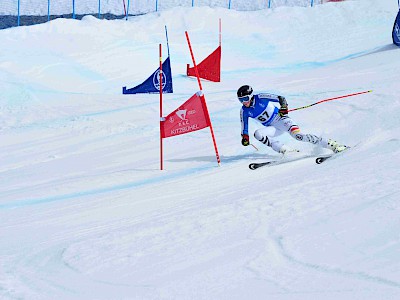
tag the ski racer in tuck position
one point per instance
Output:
(272, 112)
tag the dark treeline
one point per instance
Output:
(12, 21)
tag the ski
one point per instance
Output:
(321, 159)
(318, 159)
(254, 166)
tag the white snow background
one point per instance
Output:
(85, 212)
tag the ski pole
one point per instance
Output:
(254, 147)
(329, 99)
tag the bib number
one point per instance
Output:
(263, 117)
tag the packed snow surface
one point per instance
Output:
(86, 212)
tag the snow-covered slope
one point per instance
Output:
(87, 214)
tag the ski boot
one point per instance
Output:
(335, 146)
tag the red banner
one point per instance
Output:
(209, 68)
(190, 116)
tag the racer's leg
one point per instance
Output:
(266, 135)
(287, 124)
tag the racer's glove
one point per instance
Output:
(283, 111)
(245, 140)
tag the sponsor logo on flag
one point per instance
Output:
(156, 79)
(396, 30)
(190, 116)
(152, 84)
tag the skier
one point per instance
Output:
(272, 112)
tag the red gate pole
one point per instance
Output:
(161, 114)
(203, 100)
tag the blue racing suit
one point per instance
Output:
(264, 109)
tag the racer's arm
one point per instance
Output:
(244, 120)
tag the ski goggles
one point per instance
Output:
(245, 98)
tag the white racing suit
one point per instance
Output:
(264, 109)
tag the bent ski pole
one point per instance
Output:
(330, 99)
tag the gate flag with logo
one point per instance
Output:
(396, 30)
(190, 116)
(152, 84)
